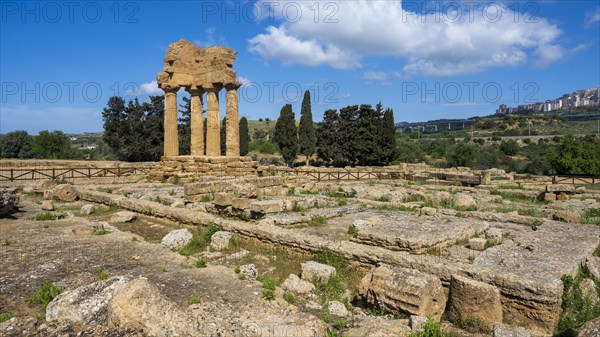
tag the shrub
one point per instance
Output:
(289, 297)
(201, 263)
(317, 221)
(194, 300)
(45, 216)
(353, 230)
(268, 294)
(383, 198)
(102, 275)
(340, 323)
(291, 190)
(206, 198)
(237, 269)
(342, 202)
(45, 295)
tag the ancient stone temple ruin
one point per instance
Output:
(199, 71)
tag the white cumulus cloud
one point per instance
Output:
(459, 40)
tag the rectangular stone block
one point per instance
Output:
(241, 203)
(557, 188)
(223, 199)
(267, 206)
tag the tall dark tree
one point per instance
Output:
(184, 127)
(286, 134)
(244, 136)
(388, 137)
(154, 127)
(16, 144)
(115, 127)
(306, 131)
(368, 132)
(223, 133)
(328, 145)
(348, 139)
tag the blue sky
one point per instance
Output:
(60, 62)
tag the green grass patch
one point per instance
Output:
(206, 198)
(102, 275)
(194, 300)
(289, 297)
(382, 198)
(591, 216)
(47, 216)
(534, 212)
(200, 240)
(307, 192)
(45, 295)
(470, 324)
(395, 208)
(201, 263)
(317, 221)
(5, 316)
(291, 190)
(353, 230)
(342, 202)
(106, 190)
(430, 329)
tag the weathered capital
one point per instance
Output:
(232, 86)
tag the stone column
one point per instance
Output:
(213, 124)
(171, 139)
(196, 123)
(233, 124)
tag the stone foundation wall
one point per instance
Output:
(187, 168)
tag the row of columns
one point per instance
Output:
(213, 122)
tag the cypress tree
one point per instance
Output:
(244, 136)
(329, 149)
(388, 136)
(184, 128)
(286, 134)
(306, 131)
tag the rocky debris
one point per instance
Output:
(87, 209)
(178, 204)
(505, 330)
(494, 235)
(428, 211)
(65, 192)
(470, 299)
(592, 263)
(177, 239)
(313, 271)
(220, 240)
(463, 201)
(260, 208)
(140, 305)
(237, 255)
(123, 216)
(223, 199)
(337, 309)
(588, 289)
(549, 196)
(590, 329)
(249, 271)
(48, 205)
(562, 196)
(416, 323)
(86, 304)
(558, 188)
(298, 286)
(567, 216)
(477, 244)
(405, 290)
(580, 190)
(369, 326)
(9, 201)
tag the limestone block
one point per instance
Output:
(562, 196)
(123, 216)
(313, 271)
(592, 264)
(405, 290)
(494, 235)
(65, 192)
(416, 323)
(473, 299)
(220, 240)
(464, 201)
(87, 209)
(590, 329)
(267, 206)
(177, 239)
(477, 244)
(338, 309)
(557, 188)
(549, 196)
(505, 330)
(241, 203)
(428, 211)
(223, 199)
(567, 216)
(48, 205)
(249, 271)
(298, 286)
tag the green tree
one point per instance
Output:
(306, 131)
(410, 152)
(463, 154)
(244, 136)
(16, 144)
(328, 145)
(223, 136)
(509, 147)
(52, 145)
(576, 156)
(388, 137)
(286, 135)
(347, 134)
(367, 133)
(184, 127)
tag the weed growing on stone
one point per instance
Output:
(470, 324)
(534, 212)
(237, 269)
(395, 208)
(107, 190)
(194, 300)
(317, 221)
(5, 243)
(430, 329)
(206, 198)
(5, 316)
(102, 275)
(291, 190)
(383, 198)
(201, 263)
(577, 307)
(591, 216)
(353, 230)
(307, 192)
(342, 202)
(269, 284)
(241, 276)
(172, 192)
(289, 297)
(45, 216)
(45, 295)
